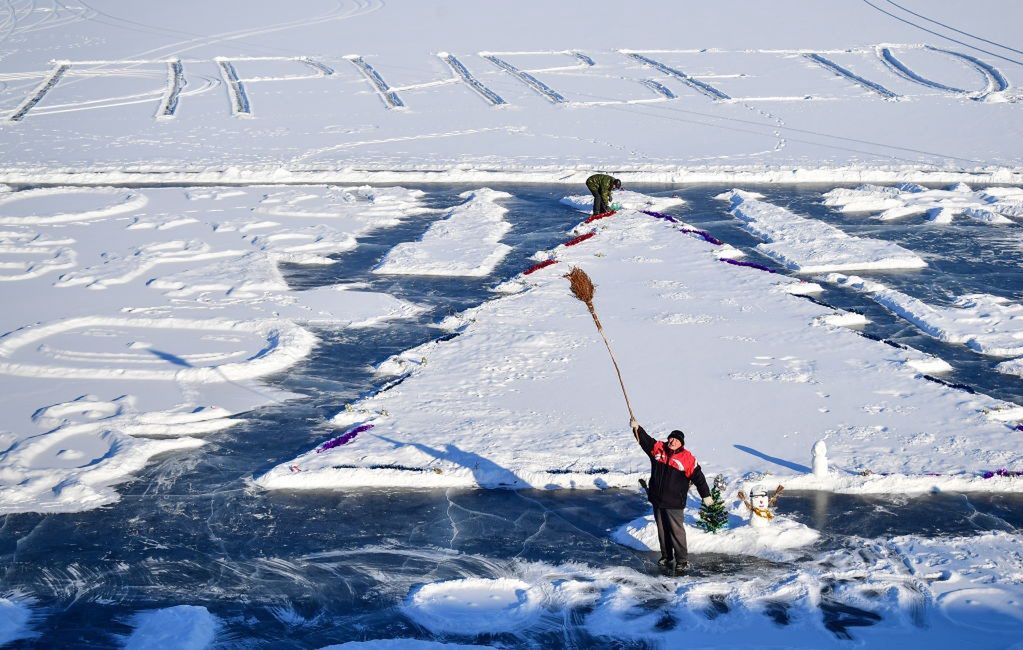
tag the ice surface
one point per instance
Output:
(187, 319)
(812, 246)
(943, 591)
(525, 395)
(184, 627)
(466, 243)
(995, 205)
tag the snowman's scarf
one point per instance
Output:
(765, 512)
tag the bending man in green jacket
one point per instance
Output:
(600, 186)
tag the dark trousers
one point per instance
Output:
(671, 535)
(600, 204)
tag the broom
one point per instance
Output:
(583, 289)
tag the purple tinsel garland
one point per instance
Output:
(752, 265)
(1008, 473)
(707, 237)
(344, 438)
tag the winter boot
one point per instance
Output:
(665, 564)
(681, 567)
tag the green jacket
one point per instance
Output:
(601, 184)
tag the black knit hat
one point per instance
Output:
(681, 437)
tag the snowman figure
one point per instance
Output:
(760, 504)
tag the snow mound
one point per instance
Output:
(475, 605)
(812, 246)
(466, 243)
(627, 199)
(984, 323)
(771, 542)
(183, 627)
(15, 620)
(994, 205)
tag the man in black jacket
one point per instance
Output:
(672, 469)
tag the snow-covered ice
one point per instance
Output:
(626, 199)
(466, 243)
(525, 395)
(773, 542)
(183, 627)
(143, 333)
(812, 246)
(475, 606)
(987, 324)
(995, 205)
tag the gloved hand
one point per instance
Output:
(708, 501)
(633, 423)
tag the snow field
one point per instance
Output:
(773, 100)
(147, 317)
(525, 396)
(466, 243)
(812, 246)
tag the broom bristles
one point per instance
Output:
(581, 285)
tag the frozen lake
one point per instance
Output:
(307, 569)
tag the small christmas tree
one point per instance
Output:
(714, 517)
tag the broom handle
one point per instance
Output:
(600, 328)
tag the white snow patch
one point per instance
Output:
(988, 324)
(193, 312)
(812, 246)
(183, 627)
(994, 205)
(56, 205)
(772, 542)
(15, 619)
(475, 606)
(627, 199)
(465, 243)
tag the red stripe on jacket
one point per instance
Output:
(683, 461)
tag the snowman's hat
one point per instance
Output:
(758, 490)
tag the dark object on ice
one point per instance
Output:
(706, 236)
(600, 186)
(578, 240)
(681, 568)
(951, 384)
(672, 469)
(752, 265)
(642, 484)
(1008, 473)
(344, 438)
(540, 265)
